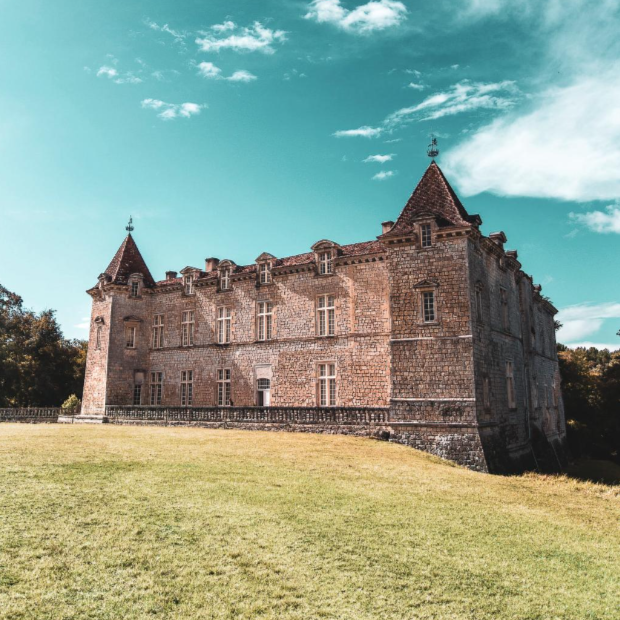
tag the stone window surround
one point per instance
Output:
(428, 286)
(223, 324)
(156, 387)
(264, 320)
(425, 243)
(131, 325)
(157, 341)
(135, 284)
(223, 391)
(187, 388)
(329, 312)
(188, 327)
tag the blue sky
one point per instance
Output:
(229, 128)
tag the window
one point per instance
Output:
(137, 394)
(223, 387)
(326, 315)
(135, 288)
(188, 283)
(223, 325)
(158, 331)
(425, 235)
(225, 279)
(486, 393)
(187, 388)
(98, 338)
(264, 273)
(554, 393)
(510, 386)
(325, 263)
(130, 337)
(479, 303)
(327, 385)
(187, 328)
(503, 299)
(264, 320)
(428, 306)
(263, 388)
(156, 387)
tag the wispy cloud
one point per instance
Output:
(364, 132)
(581, 320)
(607, 221)
(463, 97)
(364, 19)
(171, 111)
(85, 324)
(596, 345)
(178, 36)
(384, 175)
(380, 159)
(416, 86)
(254, 38)
(105, 71)
(210, 71)
(112, 73)
(564, 142)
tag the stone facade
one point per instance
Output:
(432, 321)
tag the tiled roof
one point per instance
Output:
(433, 195)
(126, 261)
(353, 249)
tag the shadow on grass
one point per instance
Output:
(606, 472)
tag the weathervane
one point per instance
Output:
(432, 150)
(129, 226)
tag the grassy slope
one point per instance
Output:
(129, 522)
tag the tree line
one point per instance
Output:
(39, 367)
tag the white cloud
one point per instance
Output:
(581, 320)
(383, 175)
(242, 76)
(416, 86)
(413, 72)
(227, 25)
(380, 159)
(179, 37)
(249, 39)
(566, 146)
(85, 324)
(465, 96)
(366, 18)
(128, 79)
(364, 132)
(597, 345)
(607, 221)
(210, 71)
(109, 72)
(170, 111)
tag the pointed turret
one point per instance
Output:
(433, 197)
(126, 261)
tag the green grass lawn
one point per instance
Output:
(143, 522)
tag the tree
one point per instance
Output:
(38, 366)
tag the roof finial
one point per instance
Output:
(129, 226)
(432, 150)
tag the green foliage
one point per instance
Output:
(73, 403)
(38, 366)
(591, 391)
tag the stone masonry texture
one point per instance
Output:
(473, 377)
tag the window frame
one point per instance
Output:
(426, 236)
(134, 289)
(264, 320)
(264, 273)
(98, 332)
(187, 388)
(225, 279)
(423, 306)
(131, 333)
(327, 384)
(326, 315)
(187, 328)
(157, 337)
(224, 387)
(156, 388)
(326, 262)
(511, 393)
(137, 391)
(188, 284)
(224, 324)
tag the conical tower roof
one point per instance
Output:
(126, 261)
(434, 197)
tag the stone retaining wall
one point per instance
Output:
(31, 415)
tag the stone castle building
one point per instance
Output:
(432, 321)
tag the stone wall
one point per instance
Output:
(30, 414)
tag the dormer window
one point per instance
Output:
(188, 284)
(264, 273)
(135, 288)
(225, 279)
(426, 239)
(325, 263)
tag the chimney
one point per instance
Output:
(386, 226)
(171, 275)
(211, 264)
(512, 254)
(498, 238)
